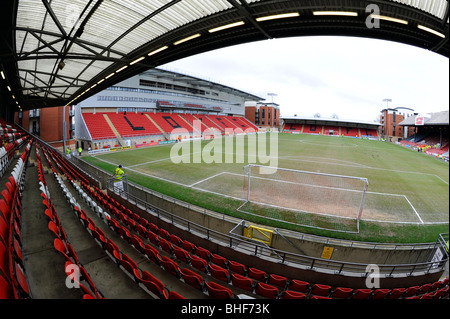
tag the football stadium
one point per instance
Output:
(159, 187)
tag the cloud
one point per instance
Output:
(342, 75)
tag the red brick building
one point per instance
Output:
(263, 115)
(47, 123)
(390, 120)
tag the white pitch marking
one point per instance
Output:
(204, 180)
(415, 211)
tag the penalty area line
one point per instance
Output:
(414, 209)
(204, 180)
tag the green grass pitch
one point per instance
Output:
(407, 198)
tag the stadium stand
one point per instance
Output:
(168, 122)
(350, 131)
(331, 130)
(334, 130)
(131, 125)
(149, 256)
(312, 129)
(98, 127)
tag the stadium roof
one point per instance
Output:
(192, 80)
(438, 118)
(58, 52)
(330, 121)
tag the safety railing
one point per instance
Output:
(256, 248)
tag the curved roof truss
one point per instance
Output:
(58, 52)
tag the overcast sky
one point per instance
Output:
(326, 75)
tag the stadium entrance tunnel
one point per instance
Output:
(400, 265)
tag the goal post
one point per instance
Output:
(311, 199)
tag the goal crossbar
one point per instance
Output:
(306, 182)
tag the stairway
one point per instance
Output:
(116, 132)
(159, 127)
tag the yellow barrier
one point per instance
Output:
(261, 234)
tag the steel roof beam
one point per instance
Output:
(245, 11)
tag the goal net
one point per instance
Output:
(310, 199)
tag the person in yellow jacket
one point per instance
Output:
(118, 175)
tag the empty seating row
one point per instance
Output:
(143, 278)
(73, 267)
(7, 153)
(13, 282)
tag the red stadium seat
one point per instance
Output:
(320, 297)
(396, 293)
(175, 240)
(440, 293)
(217, 291)
(277, 280)
(181, 254)
(320, 290)
(166, 245)
(242, 282)
(154, 239)
(175, 295)
(219, 273)
(141, 230)
(6, 291)
(203, 253)
(4, 260)
(192, 278)
(424, 289)
(5, 212)
(4, 231)
(154, 285)
(411, 291)
(61, 248)
(362, 293)
(380, 293)
(137, 243)
(298, 285)
(290, 294)
(236, 267)
(152, 227)
(429, 295)
(257, 274)
(341, 293)
(152, 254)
(199, 263)
(171, 266)
(436, 285)
(190, 247)
(130, 266)
(111, 246)
(163, 233)
(219, 260)
(266, 290)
